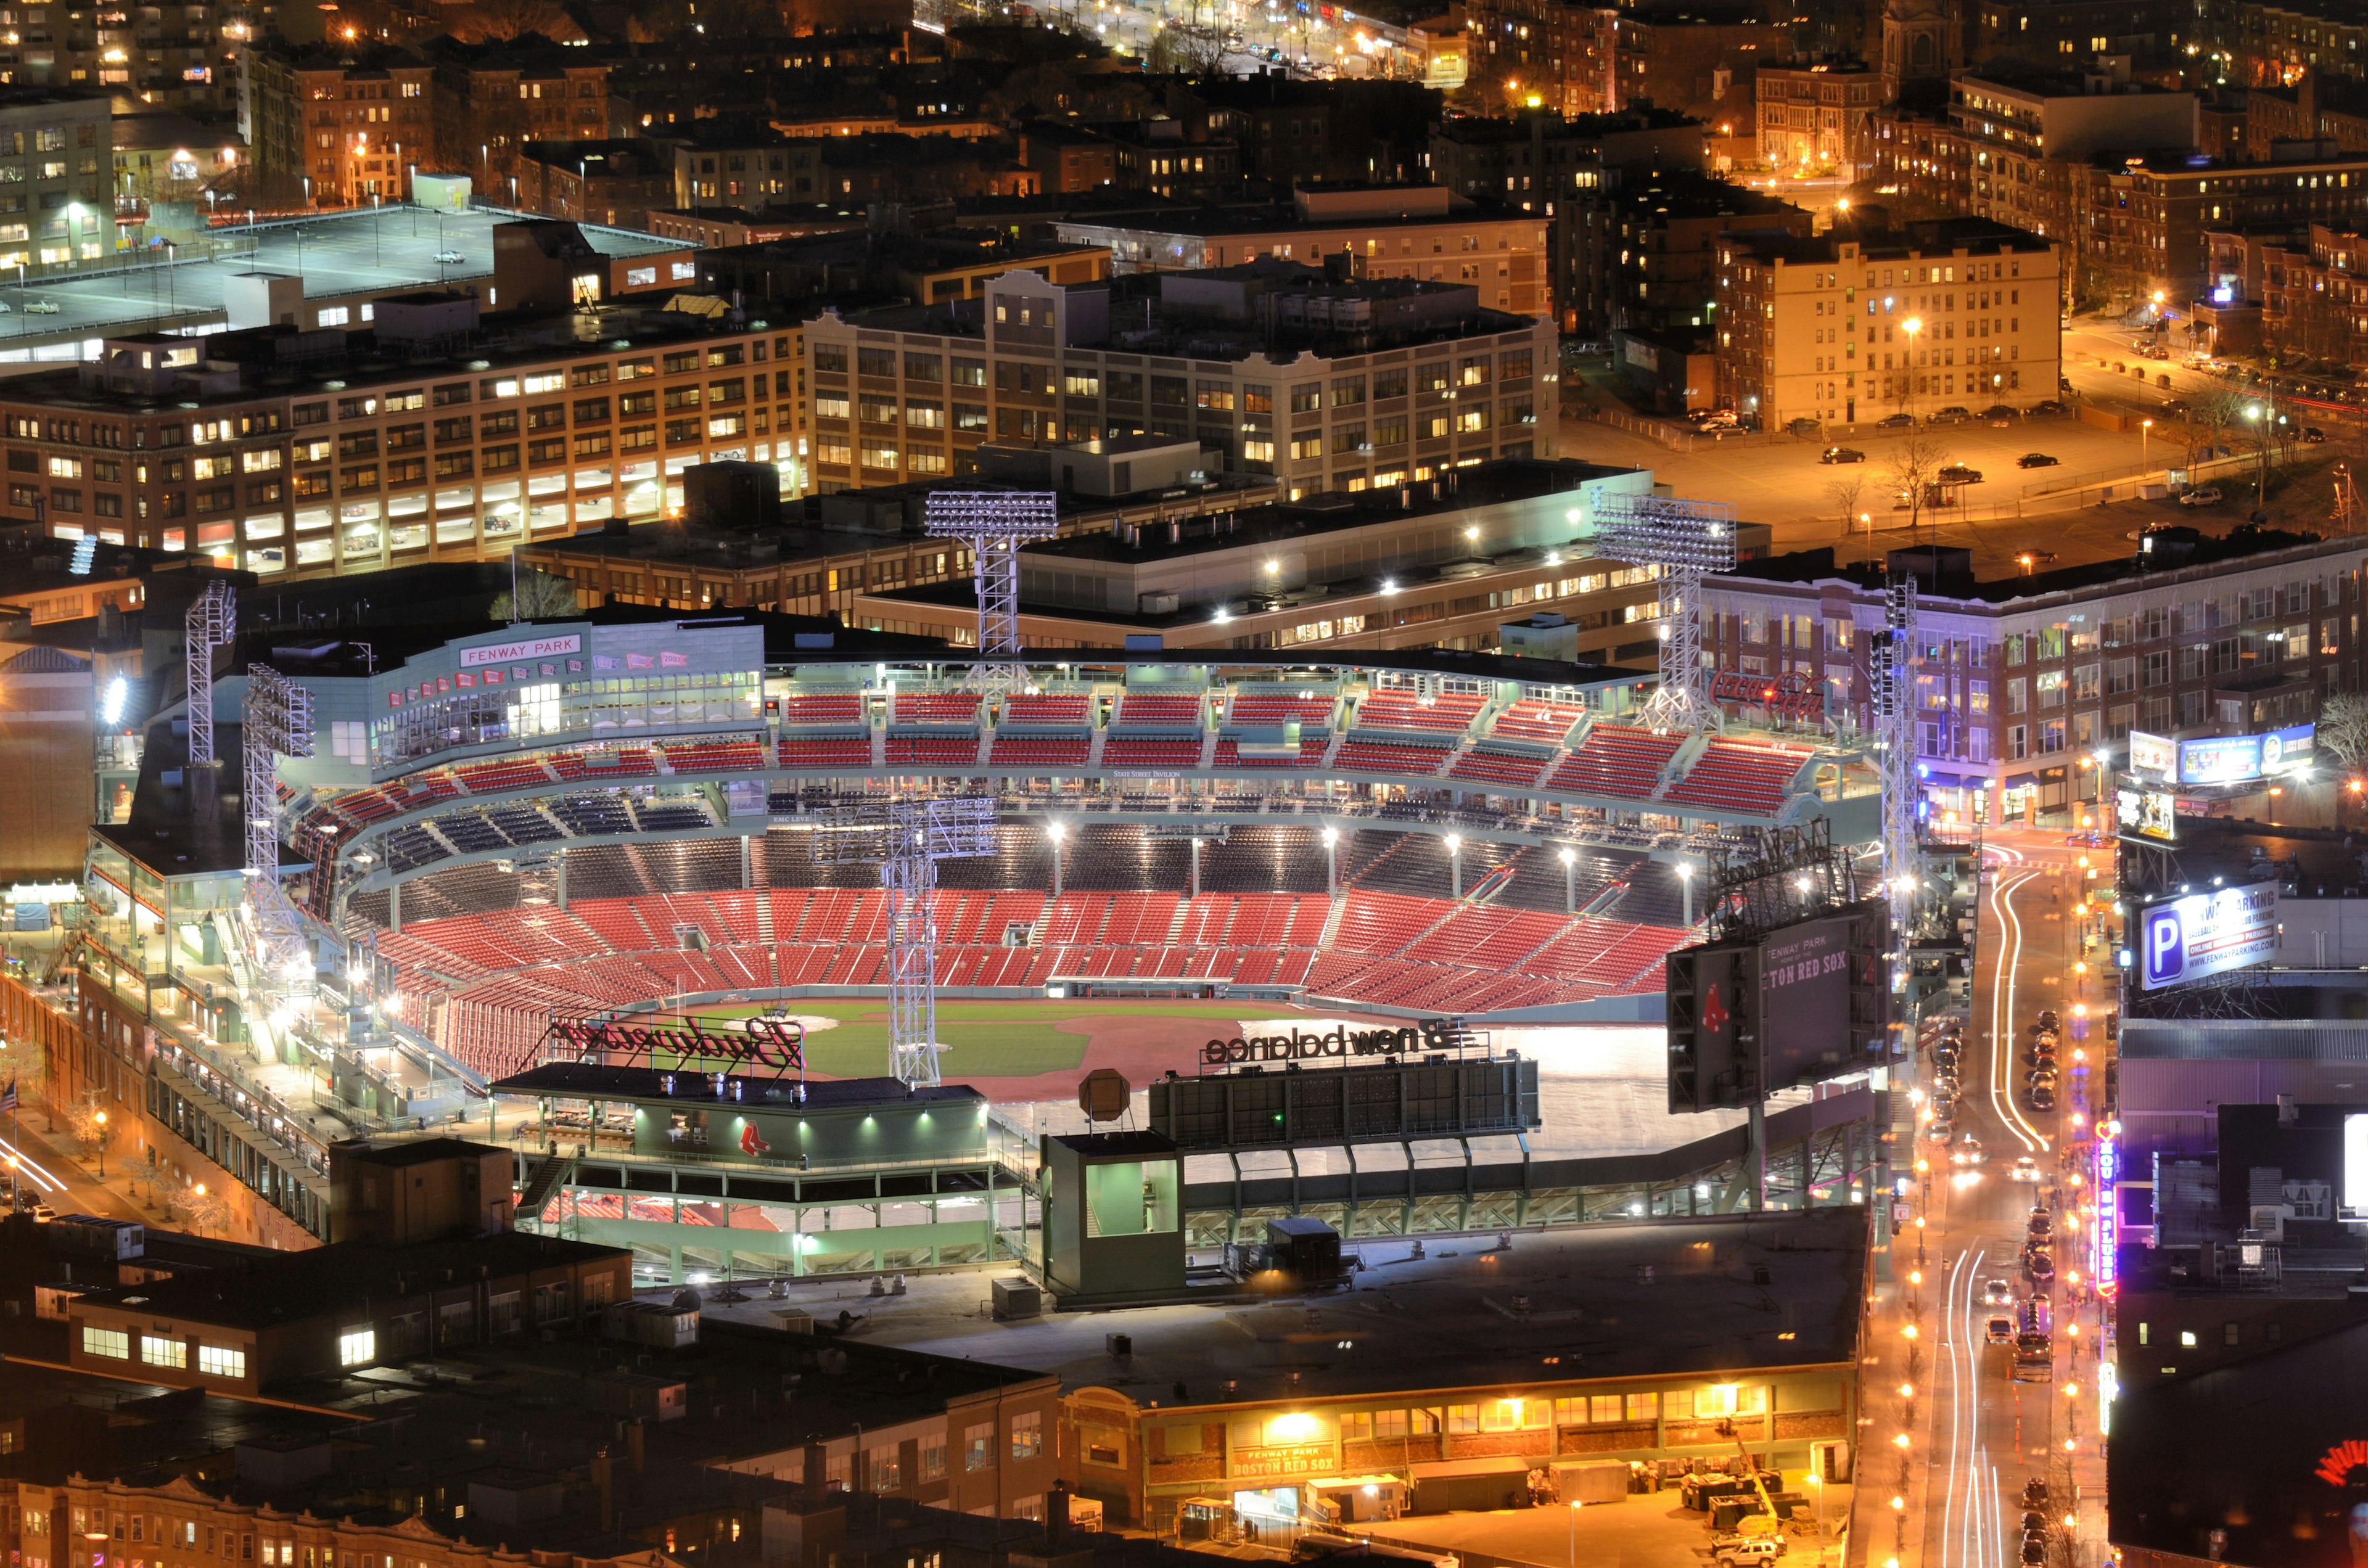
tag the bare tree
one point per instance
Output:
(198, 1208)
(541, 594)
(23, 1065)
(1913, 470)
(1844, 490)
(2343, 728)
(84, 1126)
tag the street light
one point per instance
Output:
(1911, 326)
(2146, 429)
(100, 1118)
(1686, 886)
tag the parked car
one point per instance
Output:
(2175, 409)
(2000, 411)
(2034, 1492)
(2049, 1019)
(2157, 351)
(1761, 1549)
(2043, 1097)
(2036, 459)
(1958, 473)
(1895, 422)
(2202, 495)
(1939, 1131)
(1842, 455)
(2312, 435)
(2039, 1263)
(1953, 414)
(2049, 405)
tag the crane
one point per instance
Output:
(1767, 1522)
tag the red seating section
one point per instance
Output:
(1039, 751)
(842, 709)
(516, 773)
(1495, 766)
(1617, 760)
(1450, 714)
(1311, 752)
(1739, 776)
(1530, 719)
(1163, 711)
(1047, 710)
(1268, 709)
(933, 750)
(827, 751)
(739, 754)
(937, 707)
(1138, 751)
(1384, 756)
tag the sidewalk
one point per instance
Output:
(68, 1184)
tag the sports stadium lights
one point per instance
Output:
(211, 620)
(1891, 664)
(994, 524)
(276, 721)
(1686, 541)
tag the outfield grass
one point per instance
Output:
(983, 1040)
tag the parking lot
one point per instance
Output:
(1643, 1530)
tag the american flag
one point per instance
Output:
(8, 1095)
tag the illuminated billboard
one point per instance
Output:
(2154, 757)
(2146, 813)
(2203, 935)
(2244, 759)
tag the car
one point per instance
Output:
(1938, 1131)
(1958, 473)
(2036, 459)
(2050, 405)
(2049, 1019)
(2034, 1492)
(2042, 1230)
(449, 259)
(41, 308)
(1967, 1151)
(2042, 1079)
(2176, 408)
(2026, 1169)
(2040, 1266)
(2035, 1553)
(2313, 435)
(2043, 1097)
(2000, 411)
(1998, 1330)
(1841, 455)
(2202, 495)
(1761, 1549)
(2157, 351)
(2033, 1521)
(1953, 414)
(1895, 422)
(1998, 1293)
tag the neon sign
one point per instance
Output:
(1434, 1034)
(2106, 1266)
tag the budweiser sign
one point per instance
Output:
(763, 1042)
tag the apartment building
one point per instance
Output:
(1813, 117)
(2024, 679)
(743, 163)
(1563, 58)
(1689, 56)
(359, 123)
(1385, 231)
(1849, 325)
(492, 99)
(181, 56)
(2148, 217)
(2059, 34)
(421, 438)
(56, 164)
(616, 182)
(1328, 381)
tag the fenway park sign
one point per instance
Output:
(1434, 1034)
(762, 1042)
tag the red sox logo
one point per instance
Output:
(749, 1143)
(1714, 1015)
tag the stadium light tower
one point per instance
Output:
(1688, 541)
(909, 839)
(1891, 674)
(276, 721)
(213, 617)
(994, 524)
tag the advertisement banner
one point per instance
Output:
(2146, 813)
(526, 647)
(2242, 759)
(2154, 757)
(2206, 934)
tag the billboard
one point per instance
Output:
(2355, 1166)
(2146, 813)
(2206, 934)
(2155, 756)
(2244, 759)
(1802, 1004)
(1386, 1101)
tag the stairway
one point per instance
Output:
(547, 1173)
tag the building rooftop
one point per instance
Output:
(594, 1079)
(1607, 1301)
(1284, 216)
(2175, 548)
(1975, 236)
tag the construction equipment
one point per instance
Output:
(1768, 1521)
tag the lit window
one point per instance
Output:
(110, 1342)
(357, 1349)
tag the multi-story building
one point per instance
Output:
(183, 58)
(2062, 34)
(361, 122)
(1385, 231)
(1850, 325)
(1562, 57)
(425, 439)
(1072, 159)
(1816, 117)
(1294, 133)
(2262, 43)
(1328, 381)
(618, 182)
(743, 163)
(1688, 56)
(1660, 242)
(2025, 678)
(492, 99)
(2146, 218)
(56, 165)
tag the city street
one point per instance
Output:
(1955, 1435)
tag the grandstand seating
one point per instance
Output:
(1039, 751)
(624, 762)
(1616, 760)
(510, 773)
(827, 751)
(1312, 748)
(1530, 719)
(1387, 756)
(1495, 766)
(934, 750)
(1050, 711)
(674, 816)
(937, 707)
(588, 815)
(1143, 751)
(523, 824)
(1449, 713)
(1266, 709)
(840, 709)
(736, 755)
(470, 833)
(1739, 776)
(1167, 710)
